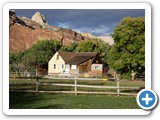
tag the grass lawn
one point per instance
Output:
(85, 82)
(70, 101)
(80, 82)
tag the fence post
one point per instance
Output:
(37, 82)
(118, 91)
(75, 87)
(114, 75)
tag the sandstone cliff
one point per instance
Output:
(24, 32)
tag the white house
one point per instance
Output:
(70, 62)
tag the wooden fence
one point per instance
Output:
(76, 85)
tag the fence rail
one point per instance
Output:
(76, 85)
(89, 86)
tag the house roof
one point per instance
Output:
(76, 58)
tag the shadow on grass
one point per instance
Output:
(56, 106)
(69, 101)
(20, 87)
(130, 91)
(31, 101)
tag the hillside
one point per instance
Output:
(24, 32)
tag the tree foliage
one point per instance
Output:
(41, 53)
(128, 52)
(70, 48)
(38, 55)
(95, 45)
(15, 62)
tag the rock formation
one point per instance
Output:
(24, 32)
(39, 18)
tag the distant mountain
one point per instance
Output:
(24, 32)
(103, 38)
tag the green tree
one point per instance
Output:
(86, 46)
(128, 52)
(41, 53)
(29, 59)
(70, 48)
(38, 55)
(16, 57)
(95, 45)
(15, 62)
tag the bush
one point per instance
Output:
(126, 76)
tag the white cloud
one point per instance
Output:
(100, 30)
(64, 25)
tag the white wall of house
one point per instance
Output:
(56, 64)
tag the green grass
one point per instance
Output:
(84, 82)
(70, 101)
(81, 82)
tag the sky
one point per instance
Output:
(99, 22)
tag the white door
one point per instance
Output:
(62, 68)
(67, 68)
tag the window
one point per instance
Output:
(73, 67)
(62, 66)
(58, 57)
(97, 67)
(67, 66)
(54, 66)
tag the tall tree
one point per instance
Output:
(41, 53)
(70, 48)
(95, 45)
(38, 55)
(15, 62)
(86, 46)
(128, 52)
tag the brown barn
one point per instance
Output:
(82, 64)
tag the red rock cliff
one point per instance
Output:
(24, 32)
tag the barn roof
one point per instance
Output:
(75, 58)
